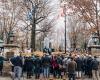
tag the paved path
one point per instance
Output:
(8, 78)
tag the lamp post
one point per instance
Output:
(63, 4)
(64, 10)
(11, 36)
(95, 38)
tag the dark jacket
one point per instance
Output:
(46, 61)
(29, 64)
(37, 62)
(79, 64)
(17, 61)
(95, 64)
(72, 67)
(89, 65)
(59, 61)
(1, 60)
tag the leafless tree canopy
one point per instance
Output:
(88, 18)
(17, 15)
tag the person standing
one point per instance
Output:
(18, 64)
(33, 59)
(37, 64)
(46, 65)
(55, 66)
(95, 71)
(85, 65)
(60, 63)
(72, 65)
(79, 66)
(1, 64)
(29, 67)
(65, 64)
(89, 66)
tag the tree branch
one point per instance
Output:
(40, 19)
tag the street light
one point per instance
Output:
(11, 36)
(95, 38)
(63, 4)
(65, 25)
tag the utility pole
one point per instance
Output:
(65, 25)
(33, 33)
(97, 24)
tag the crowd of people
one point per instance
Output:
(72, 66)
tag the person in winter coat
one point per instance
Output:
(29, 67)
(46, 65)
(95, 71)
(37, 70)
(72, 65)
(60, 63)
(85, 66)
(89, 66)
(55, 66)
(65, 64)
(79, 66)
(1, 64)
(33, 59)
(18, 64)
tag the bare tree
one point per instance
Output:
(11, 16)
(15, 16)
(77, 32)
(88, 11)
(46, 28)
(39, 10)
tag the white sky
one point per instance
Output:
(58, 35)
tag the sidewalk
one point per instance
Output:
(8, 78)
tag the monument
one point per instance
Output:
(11, 49)
(94, 45)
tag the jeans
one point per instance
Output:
(79, 74)
(95, 74)
(46, 71)
(72, 76)
(33, 70)
(17, 72)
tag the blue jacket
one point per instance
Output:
(46, 61)
(17, 61)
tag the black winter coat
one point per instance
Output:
(79, 64)
(95, 64)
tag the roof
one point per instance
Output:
(10, 45)
(94, 46)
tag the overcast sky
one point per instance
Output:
(58, 35)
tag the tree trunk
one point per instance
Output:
(33, 34)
